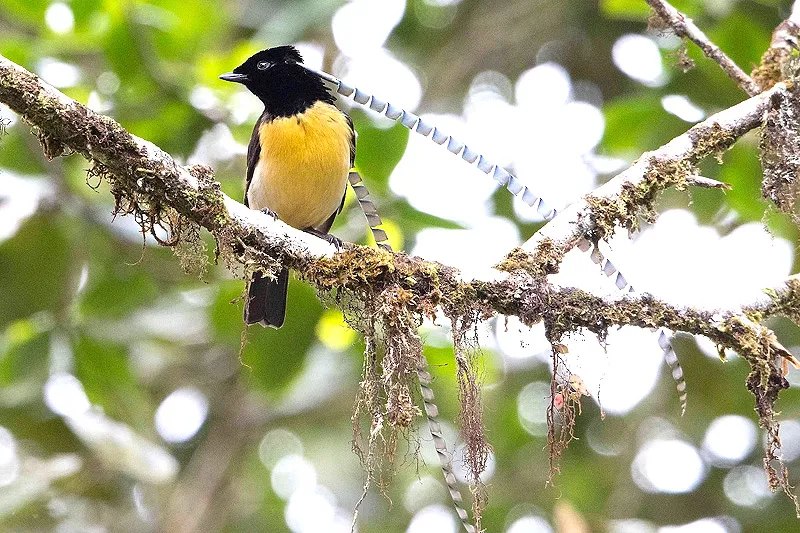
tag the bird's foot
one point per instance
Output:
(270, 212)
(331, 239)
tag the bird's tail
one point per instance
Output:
(266, 299)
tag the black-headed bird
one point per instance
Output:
(298, 160)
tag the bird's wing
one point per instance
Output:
(352, 140)
(352, 158)
(253, 153)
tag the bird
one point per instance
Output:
(300, 154)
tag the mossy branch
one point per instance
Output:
(148, 183)
(779, 62)
(138, 170)
(631, 195)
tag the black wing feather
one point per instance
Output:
(352, 140)
(254, 152)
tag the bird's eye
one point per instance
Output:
(262, 65)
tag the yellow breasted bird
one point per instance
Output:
(300, 153)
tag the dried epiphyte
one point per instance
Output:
(682, 58)
(681, 54)
(162, 222)
(562, 411)
(423, 376)
(469, 374)
(765, 381)
(385, 402)
(384, 296)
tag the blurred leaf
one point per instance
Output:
(742, 35)
(14, 152)
(412, 220)
(179, 29)
(212, 63)
(118, 282)
(636, 124)
(24, 352)
(742, 170)
(333, 331)
(632, 9)
(28, 11)
(639, 10)
(378, 151)
(275, 356)
(35, 265)
(442, 366)
(103, 369)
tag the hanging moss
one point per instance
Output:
(635, 201)
(780, 152)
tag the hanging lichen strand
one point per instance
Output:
(367, 388)
(504, 178)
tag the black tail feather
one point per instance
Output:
(266, 300)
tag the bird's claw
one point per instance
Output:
(331, 239)
(334, 240)
(270, 212)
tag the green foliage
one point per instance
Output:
(379, 150)
(39, 283)
(636, 122)
(271, 358)
(82, 295)
(104, 369)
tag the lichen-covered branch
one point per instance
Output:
(779, 62)
(146, 181)
(780, 151)
(684, 27)
(398, 289)
(783, 300)
(631, 195)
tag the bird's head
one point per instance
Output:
(277, 77)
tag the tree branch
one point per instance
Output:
(150, 184)
(684, 27)
(631, 194)
(154, 176)
(140, 169)
(775, 62)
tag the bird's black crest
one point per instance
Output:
(278, 54)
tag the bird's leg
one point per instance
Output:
(332, 239)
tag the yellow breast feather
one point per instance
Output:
(302, 171)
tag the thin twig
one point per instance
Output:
(684, 27)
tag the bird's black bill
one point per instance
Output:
(235, 78)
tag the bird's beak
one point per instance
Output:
(236, 78)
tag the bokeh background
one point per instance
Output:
(125, 402)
